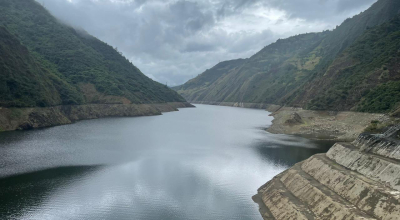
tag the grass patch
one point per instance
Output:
(378, 127)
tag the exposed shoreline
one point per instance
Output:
(28, 118)
(318, 125)
(323, 125)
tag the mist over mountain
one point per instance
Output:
(172, 41)
(45, 63)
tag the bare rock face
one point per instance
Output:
(358, 180)
(294, 119)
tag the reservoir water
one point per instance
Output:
(198, 163)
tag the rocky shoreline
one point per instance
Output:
(328, 125)
(267, 107)
(28, 118)
(358, 180)
(321, 125)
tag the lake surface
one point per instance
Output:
(198, 163)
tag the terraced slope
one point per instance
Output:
(359, 180)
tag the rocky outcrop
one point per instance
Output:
(27, 118)
(294, 119)
(358, 180)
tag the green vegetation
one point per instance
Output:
(382, 98)
(374, 127)
(201, 83)
(354, 67)
(43, 63)
(273, 71)
(15, 113)
(377, 127)
(366, 73)
(25, 82)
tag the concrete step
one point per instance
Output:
(282, 203)
(322, 201)
(378, 144)
(368, 195)
(375, 167)
(265, 212)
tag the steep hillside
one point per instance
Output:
(46, 63)
(365, 77)
(334, 70)
(201, 84)
(25, 81)
(264, 75)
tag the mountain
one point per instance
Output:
(44, 62)
(260, 78)
(200, 84)
(343, 69)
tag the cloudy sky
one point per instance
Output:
(172, 41)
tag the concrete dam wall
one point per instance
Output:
(358, 180)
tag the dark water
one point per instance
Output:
(198, 163)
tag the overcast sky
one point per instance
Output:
(172, 41)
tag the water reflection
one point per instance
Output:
(289, 153)
(203, 163)
(22, 192)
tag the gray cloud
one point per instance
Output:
(172, 41)
(199, 47)
(326, 10)
(345, 5)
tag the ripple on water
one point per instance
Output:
(201, 163)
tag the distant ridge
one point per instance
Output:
(354, 67)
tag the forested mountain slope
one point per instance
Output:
(364, 77)
(44, 63)
(200, 84)
(343, 69)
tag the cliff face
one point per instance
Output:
(27, 118)
(358, 180)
